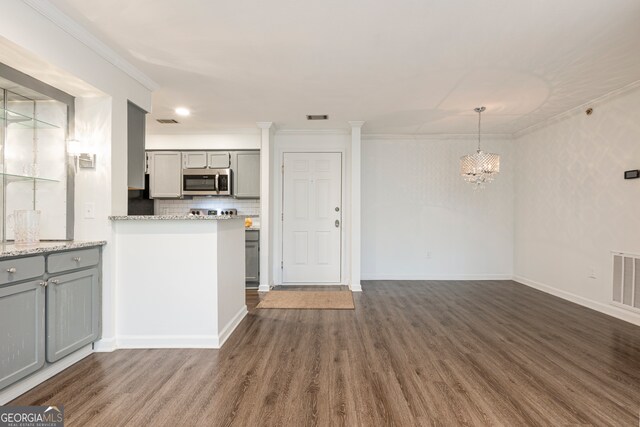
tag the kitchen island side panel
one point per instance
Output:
(167, 278)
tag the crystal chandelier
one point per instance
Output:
(480, 167)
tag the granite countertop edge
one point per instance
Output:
(175, 217)
(10, 250)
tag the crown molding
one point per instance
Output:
(216, 132)
(313, 132)
(435, 136)
(576, 110)
(264, 125)
(77, 31)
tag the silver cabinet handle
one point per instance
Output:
(43, 284)
(11, 270)
(54, 281)
(337, 223)
(77, 258)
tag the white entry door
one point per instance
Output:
(312, 218)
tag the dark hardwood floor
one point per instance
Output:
(412, 353)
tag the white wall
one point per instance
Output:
(50, 47)
(573, 206)
(241, 141)
(420, 220)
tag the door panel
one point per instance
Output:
(22, 332)
(72, 312)
(312, 227)
(194, 160)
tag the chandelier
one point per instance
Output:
(479, 168)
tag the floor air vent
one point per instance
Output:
(626, 280)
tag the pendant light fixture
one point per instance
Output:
(479, 168)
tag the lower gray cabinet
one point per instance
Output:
(252, 257)
(72, 312)
(22, 331)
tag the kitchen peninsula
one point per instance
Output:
(181, 280)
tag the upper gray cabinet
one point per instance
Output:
(136, 118)
(219, 160)
(246, 174)
(194, 160)
(165, 174)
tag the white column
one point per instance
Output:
(266, 267)
(356, 145)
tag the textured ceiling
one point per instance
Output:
(410, 66)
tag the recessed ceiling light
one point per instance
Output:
(181, 111)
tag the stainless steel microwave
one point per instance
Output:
(206, 182)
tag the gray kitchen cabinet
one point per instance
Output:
(165, 174)
(218, 159)
(252, 257)
(194, 159)
(19, 269)
(246, 174)
(72, 312)
(136, 118)
(22, 339)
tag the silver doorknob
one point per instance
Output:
(54, 281)
(337, 223)
(77, 258)
(43, 284)
(11, 270)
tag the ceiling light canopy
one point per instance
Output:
(480, 167)
(182, 111)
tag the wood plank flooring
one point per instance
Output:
(412, 353)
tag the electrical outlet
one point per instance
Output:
(89, 210)
(592, 273)
(427, 255)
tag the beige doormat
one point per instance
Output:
(313, 300)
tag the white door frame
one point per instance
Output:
(278, 201)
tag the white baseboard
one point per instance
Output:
(609, 309)
(355, 287)
(105, 345)
(437, 277)
(168, 341)
(182, 341)
(232, 325)
(23, 386)
(263, 288)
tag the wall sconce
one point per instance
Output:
(83, 153)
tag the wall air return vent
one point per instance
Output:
(167, 121)
(317, 117)
(626, 280)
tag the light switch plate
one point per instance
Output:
(89, 210)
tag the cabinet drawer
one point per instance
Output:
(73, 260)
(251, 235)
(18, 269)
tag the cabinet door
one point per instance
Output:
(136, 117)
(194, 160)
(73, 312)
(165, 174)
(22, 331)
(219, 160)
(252, 261)
(246, 174)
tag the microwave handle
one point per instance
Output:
(217, 189)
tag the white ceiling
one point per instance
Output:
(408, 66)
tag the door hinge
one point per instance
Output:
(282, 216)
(281, 265)
(282, 168)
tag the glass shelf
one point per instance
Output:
(24, 178)
(22, 121)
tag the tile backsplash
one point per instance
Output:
(182, 206)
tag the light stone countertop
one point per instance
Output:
(11, 250)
